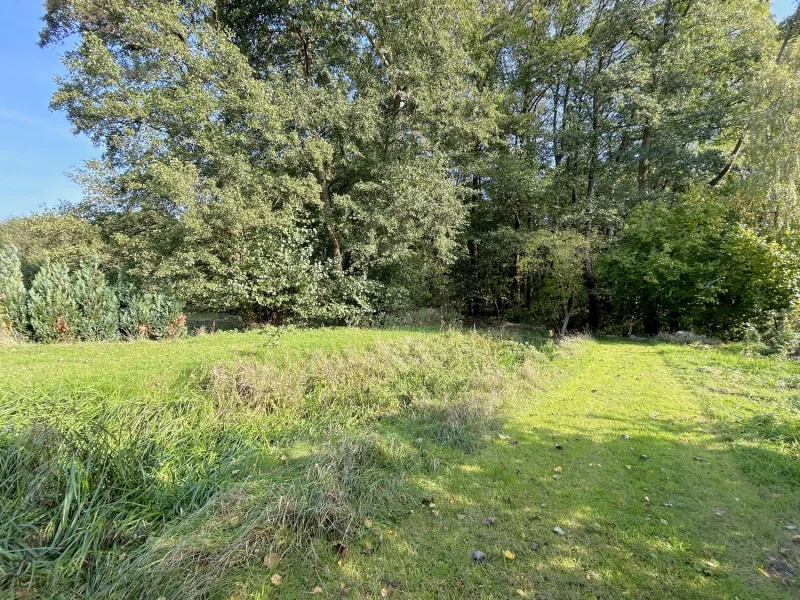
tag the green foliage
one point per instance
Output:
(154, 315)
(13, 296)
(285, 179)
(56, 235)
(52, 305)
(378, 157)
(558, 260)
(692, 265)
(97, 304)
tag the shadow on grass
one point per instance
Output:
(666, 527)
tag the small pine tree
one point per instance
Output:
(52, 307)
(13, 297)
(153, 315)
(97, 305)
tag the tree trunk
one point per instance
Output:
(590, 186)
(644, 163)
(567, 311)
(325, 198)
(594, 306)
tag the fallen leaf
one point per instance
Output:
(435, 513)
(509, 555)
(627, 466)
(522, 593)
(384, 592)
(270, 560)
(317, 590)
(559, 531)
(276, 579)
(367, 522)
(557, 469)
(502, 437)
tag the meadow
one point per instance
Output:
(407, 463)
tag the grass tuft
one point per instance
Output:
(325, 496)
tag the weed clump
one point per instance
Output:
(449, 388)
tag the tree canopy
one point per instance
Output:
(331, 159)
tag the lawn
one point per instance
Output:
(367, 464)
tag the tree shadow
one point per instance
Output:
(681, 523)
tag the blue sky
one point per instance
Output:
(37, 148)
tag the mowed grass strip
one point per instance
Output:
(670, 470)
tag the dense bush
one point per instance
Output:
(693, 265)
(82, 306)
(13, 297)
(559, 260)
(53, 310)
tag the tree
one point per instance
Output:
(57, 235)
(250, 143)
(694, 265)
(769, 191)
(13, 297)
(52, 306)
(607, 104)
(558, 260)
(98, 306)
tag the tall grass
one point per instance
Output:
(102, 494)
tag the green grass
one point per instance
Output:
(174, 469)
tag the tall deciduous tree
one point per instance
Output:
(279, 157)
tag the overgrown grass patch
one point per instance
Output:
(99, 486)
